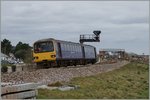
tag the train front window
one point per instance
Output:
(43, 47)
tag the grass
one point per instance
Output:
(129, 82)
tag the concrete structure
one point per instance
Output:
(19, 91)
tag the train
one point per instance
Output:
(56, 53)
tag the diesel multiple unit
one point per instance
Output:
(52, 52)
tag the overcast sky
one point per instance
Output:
(124, 24)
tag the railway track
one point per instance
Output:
(44, 76)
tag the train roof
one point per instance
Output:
(52, 39)
(43, 40)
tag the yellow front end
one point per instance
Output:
(44, 56)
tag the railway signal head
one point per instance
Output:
(97, 32)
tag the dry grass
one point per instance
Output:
(57, 84)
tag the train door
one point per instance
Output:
(59, 51)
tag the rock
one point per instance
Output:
(66, 88)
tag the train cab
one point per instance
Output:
(44, 51)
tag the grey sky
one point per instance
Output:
(123, 24)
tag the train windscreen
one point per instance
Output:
(43, 47)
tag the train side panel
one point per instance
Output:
(71, 50)
(89, 52)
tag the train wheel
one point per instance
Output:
(75, 63)
(84, 62)
(38, 65)
(64, 64)
(58, 64)
(49, 65)
(92, 62)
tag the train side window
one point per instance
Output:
(65, 47)
(75, 48)
(71, 47)
(68, 47)
(80, 48)
(62, 48)
(87, 49)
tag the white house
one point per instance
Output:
(4, 57)
(10, 59)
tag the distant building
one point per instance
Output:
(4, 57)
(113, 53)
(10, 59)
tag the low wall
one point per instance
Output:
(22, 67)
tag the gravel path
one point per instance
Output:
(59, 74)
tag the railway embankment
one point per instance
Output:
(51, 75)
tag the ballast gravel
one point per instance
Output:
(51, 75)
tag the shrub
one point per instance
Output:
(4, 69)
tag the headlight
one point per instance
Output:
(53, 56)
(36, 58)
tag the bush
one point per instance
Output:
(4, 69)
(13, 67)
